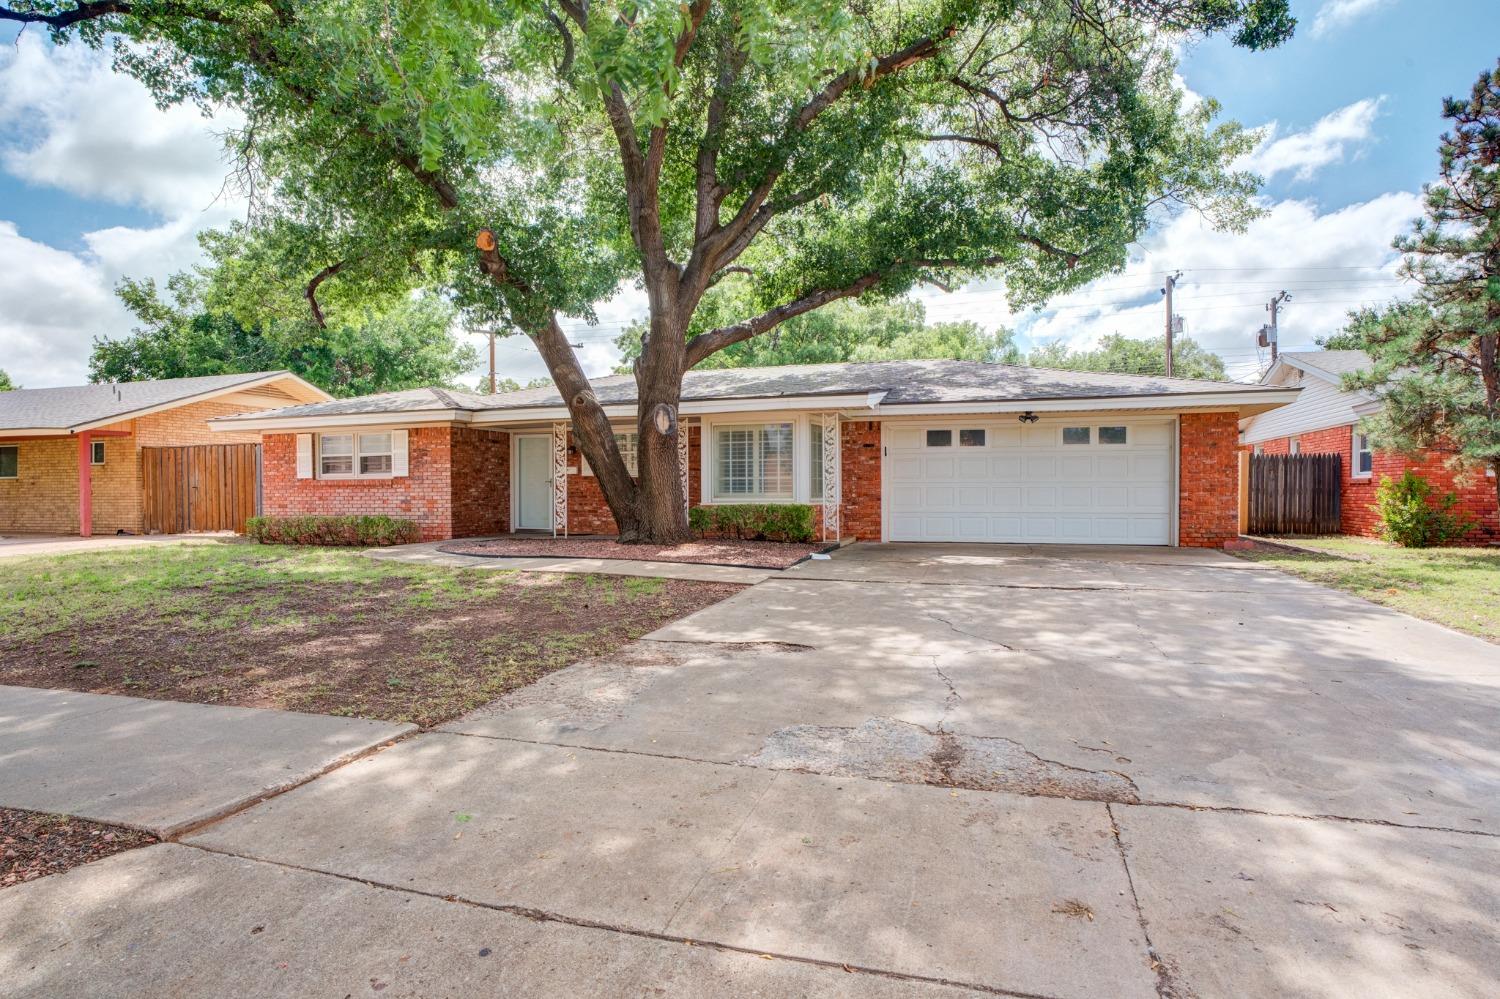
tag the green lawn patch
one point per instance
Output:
(1457, 587)
(313, 629)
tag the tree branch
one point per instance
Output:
(311, 292)
(824, 99)
(711, 342)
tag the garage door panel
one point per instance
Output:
(1025, 485)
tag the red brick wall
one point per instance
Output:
(1208, 486)
(480, 482)
(859, 516)
(1475, 491)
(425, 495)
(587, 511)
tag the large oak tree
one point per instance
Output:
(819, 150)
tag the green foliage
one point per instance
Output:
(843, 331)
(237, 314)
(1135, 357)
(1409, 517)
(6, 385)
(340, 531)
(1436, 360)
(755, 521)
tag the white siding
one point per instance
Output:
(1319, 405)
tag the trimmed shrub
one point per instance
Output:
(349, 531)
(1410, 519)
(755, 521)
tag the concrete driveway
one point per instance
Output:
(908, 770)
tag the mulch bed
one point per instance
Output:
(726, 552)
(373, 650)
(33, 845)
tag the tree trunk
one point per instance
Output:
(660, 506)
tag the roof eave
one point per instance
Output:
(290, 424)
(205, 396)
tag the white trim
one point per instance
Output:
(710, 458)
(1354, 451)
(356, 452)
(96, 447)
(1222, 400)
(854, 406)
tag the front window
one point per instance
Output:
(971, 438)
(352, 456)
(753, 461)
(96, 455)
(1364, 459)
(629, 445)
(10, 462)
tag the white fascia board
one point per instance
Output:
(199, 397)
(1222, 400)
(700, 407)
(294, 424)
(1371, 407)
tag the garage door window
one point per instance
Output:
(1112, 435)
(1077, 435)
(753, 462)
(971, 438)
(939, 438)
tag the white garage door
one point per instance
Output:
(1095, 482)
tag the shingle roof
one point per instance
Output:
(903, 382)
(72, 406)
(1332, 362)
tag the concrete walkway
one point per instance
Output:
(161, 766)
(906, 772)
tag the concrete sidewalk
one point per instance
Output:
(161, 766)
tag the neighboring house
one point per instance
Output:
(71, 458)
(1325, 420)
(889, 450)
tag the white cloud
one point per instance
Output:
(1335, 14)
(1328, 141)
(75, 124)
(1330, 262)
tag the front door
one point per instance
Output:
(534, 483)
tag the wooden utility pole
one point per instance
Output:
(1275, 307)
(1171, 319)
(492, 362)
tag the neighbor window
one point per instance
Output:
(1077, 435)
(1258, 449)
(1364, 460)
(1112, 435)
(753, 461)
(10, 462)
(939, 438)
(971, 438)
(96, 452)
(815, 461)
(354, 455)
(1294, 447)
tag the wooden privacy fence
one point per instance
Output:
(203, 487)
(1295, 493)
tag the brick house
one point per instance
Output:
(888, 451)
(1325, 420)
(71, 458)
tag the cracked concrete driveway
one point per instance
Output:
(905, 771)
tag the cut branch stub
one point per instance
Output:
(665, 419)
(485, 240)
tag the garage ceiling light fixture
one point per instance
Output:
(1028, 417)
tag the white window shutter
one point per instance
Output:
(399, 463)
(304, 456)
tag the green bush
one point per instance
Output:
(357, 531)
(1410, 520)
(755, 521)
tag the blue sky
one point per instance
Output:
(96, 183)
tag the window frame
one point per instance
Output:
(1294, 445)
(96, 452)
(1355, 451)
(17, 449)
(1088, 440)
(814, 462)
(356, 453)
(758, 468)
